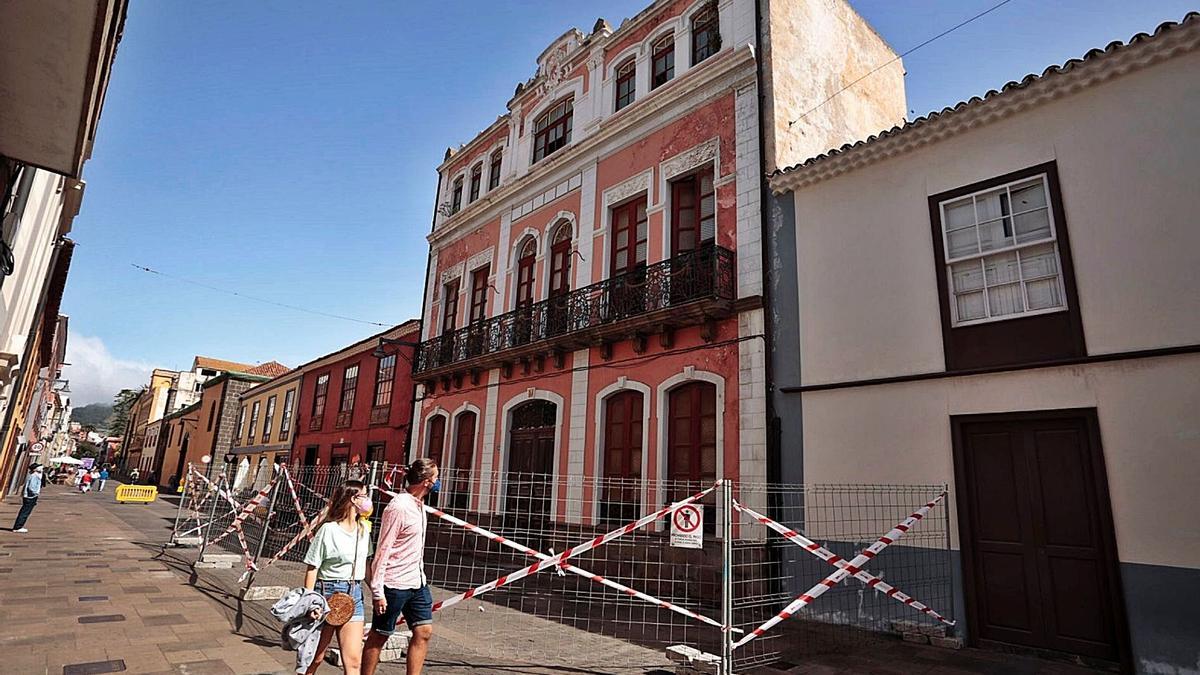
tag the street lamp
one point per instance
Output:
(380, 352)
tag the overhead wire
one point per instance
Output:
(880, 67)
(244, 296)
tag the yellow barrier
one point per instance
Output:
(140, 494)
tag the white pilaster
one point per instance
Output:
(752, 397)
(583, 235)
(748, 186)
(486, 465)
(576, 435)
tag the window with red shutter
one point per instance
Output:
(437, 439)
(693, 212)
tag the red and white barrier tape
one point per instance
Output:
(569, 567)
(837, 577)
(251, 504)
(570, 552)
(287, 475)
(839, 562)
(305, 532)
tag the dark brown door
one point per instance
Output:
(692, 443)
(531, 459)
(627, 293)
(464, 452)
(1037, 533)
(437, 439)
(621, 492)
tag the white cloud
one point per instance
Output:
(96, 375)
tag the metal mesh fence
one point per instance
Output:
(650, 592)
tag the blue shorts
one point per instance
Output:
(354, 588)
(416, 604)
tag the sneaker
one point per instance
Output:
(23, 530)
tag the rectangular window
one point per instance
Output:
(253, 421)
(552, 130)
(268, 419)
(385, 373)
(241, 427)
(285, 424)
(476, 182)
(320, 393)
(456, 196)
(1001, 256)
(494, 170)
(479, 289)
(693, 212)
(629, 232)
(349, 385)
(706, 34)
(662, 67)
(1005, 284)
(626, 78)
(450, 306)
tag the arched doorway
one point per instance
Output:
(692, 442)
(464, 451)
(529, 477)
(622, 459)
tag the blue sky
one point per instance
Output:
(287, 150)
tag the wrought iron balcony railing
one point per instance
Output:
(704, 274)
(380, 414)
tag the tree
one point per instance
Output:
(122, 404)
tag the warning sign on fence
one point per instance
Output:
(687, 527)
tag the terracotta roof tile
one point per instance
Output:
(221, 364)
(270, 369)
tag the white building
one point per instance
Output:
(1005, 297)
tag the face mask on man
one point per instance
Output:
(437, 485)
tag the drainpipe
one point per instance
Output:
(774, 442)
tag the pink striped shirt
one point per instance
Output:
(399, 560)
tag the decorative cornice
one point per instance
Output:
(627, 188)
(1169, 40)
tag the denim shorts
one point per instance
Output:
(354, 588)
(416, 604)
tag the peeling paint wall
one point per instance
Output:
(813, 49)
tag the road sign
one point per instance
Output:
(36, 448)
(687, 527)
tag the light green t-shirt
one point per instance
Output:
(332, 552)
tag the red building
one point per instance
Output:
(594, 304)
(356, 403)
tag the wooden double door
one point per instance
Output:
(529, 477)
(1037, 536)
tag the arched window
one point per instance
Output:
(560, 260)
(662, 63)
(494, 170)
(706, 34)
(626, 77)
(552, 130)
(456, 196)
(476, 182)
(525, 262)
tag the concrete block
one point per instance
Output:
(682, 653)
(230, 558)
(201, 564)
(946, 642)
(271, 593)
(186, 542)
(918, 638)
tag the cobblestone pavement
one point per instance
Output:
(90, 584)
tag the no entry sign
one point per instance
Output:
(687, 527)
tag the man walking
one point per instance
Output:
(29, 497)
(103, 478)
(398, 582)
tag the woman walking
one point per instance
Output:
(337, 564)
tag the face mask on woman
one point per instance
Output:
(363, 505)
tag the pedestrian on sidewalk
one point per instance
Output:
(29, 497)
(85, 482)
(398, 583)
(337, 563)
(103, 479)
(79, 475)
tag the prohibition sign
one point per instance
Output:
(687, 519)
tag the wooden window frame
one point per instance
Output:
(285, 420)
(241, 425)
(494, 169)
(268, 418)
(552, 129)
(693, 184)
(662, 61)
(631, 261)
(706, 22)
(385, 376)
(479, 292)
(437, 429)
(526, 276)
(349, 389)
(253, 420)
(456, 195)
(625, 86)
(1024, 339)
(320, 397)
(450, 306)
(476, 183)
(560, 262)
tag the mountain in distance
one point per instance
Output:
(92, 414)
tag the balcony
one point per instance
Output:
(380, 414)
(343, 419)
(685, 290)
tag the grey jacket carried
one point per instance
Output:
(300, 631)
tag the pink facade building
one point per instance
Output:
(594, 306)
